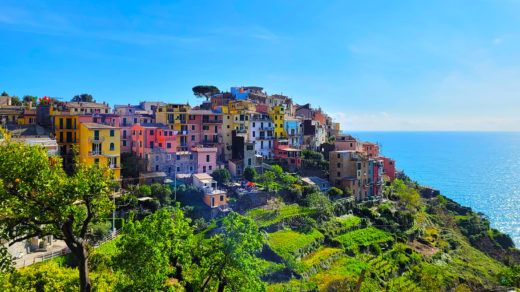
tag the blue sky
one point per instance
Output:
(373, 65)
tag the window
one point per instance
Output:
(140, 143)
(339, 174)
(193, 127)
(253, 124)
(221, 198)
(216, 129)
(178, 168)
(151, 132)
(254, 132)
(168, 145)
(192, 137)
(135, 121)
(124, 142)
(112, 147)
(207, 158)
(160, 145)
(112, 133)
(191, 156)
(210, 167)
(339, 155)
(249, 161)
(96, 161)
(339, 165)
(178, 157)
(157, 168)
(151, 144)
(124, 134)
(228, 126)
(204, 169)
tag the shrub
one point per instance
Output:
(249, 173)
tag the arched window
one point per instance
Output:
(112, 147)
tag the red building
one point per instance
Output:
(371, 149)
(389, 167)
(152, 137)
(283, 152)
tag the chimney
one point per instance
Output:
(8, 100)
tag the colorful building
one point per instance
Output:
(371, 149)
(284, 153)
(99, 144)
(175, 116)
(349, 168)
(261, 134)
(205, 128)
(206, 159)
(294, 130)
(347, 142)
(211, 195)
(130, 115)
(277, 114)
(388, 167)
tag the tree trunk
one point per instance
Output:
(84, 279)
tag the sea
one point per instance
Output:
(476, 169)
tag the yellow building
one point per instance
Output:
(175, 116)
(100, 144)
(66, 129)
(277, 114)
(79, 108)
(236, 117)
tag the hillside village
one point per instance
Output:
(272, 192)
(245, 127)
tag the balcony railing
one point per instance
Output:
(96, 153)
(94, 139)
(219, 121)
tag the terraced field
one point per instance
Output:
(267, 217)
(287, 241)
(365, 236)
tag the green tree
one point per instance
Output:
(221, 175)
(347, 191)
(249, 173)
(206, 91)
(15, 101)
(162, 192)
(277, 170)
(151, 250)
(39, 199)
(143, 191)
(5, 94)
(267, 178)
(334, 192)
(84, 97)
(28, 99)
(232, 262)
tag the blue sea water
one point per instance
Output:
(476, 169)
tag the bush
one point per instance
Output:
(221, 175)
(249, 173)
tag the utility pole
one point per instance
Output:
(175, 183)
(114, 212)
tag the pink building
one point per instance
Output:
(130, 115)
(206, 159)
(205, 129)
(371, 149)
(389, 167)
(347, 142)
(283, 152)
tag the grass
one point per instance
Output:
(270, 267)
(108, 248)
(320, 255)
(286, 241)
(267, 217)
(364, 236)
(349, 221)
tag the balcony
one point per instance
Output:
(96, 153)
(96, 139)
(114, 166)
(266, 128)
(219, 121)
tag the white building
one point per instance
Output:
(261, 133)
